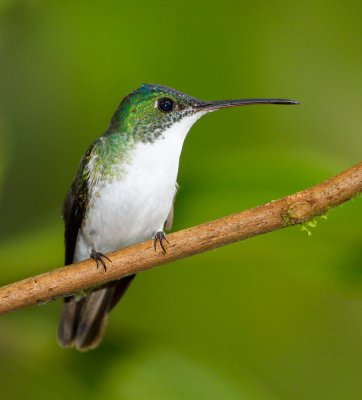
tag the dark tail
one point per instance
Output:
(82, 322)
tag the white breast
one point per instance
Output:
(133, 208)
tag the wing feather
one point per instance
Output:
(169, 220)
(74, 207)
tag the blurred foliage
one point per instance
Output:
(274, 317)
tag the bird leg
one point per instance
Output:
(98, 258)
(160, 236)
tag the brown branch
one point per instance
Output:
(290, 210)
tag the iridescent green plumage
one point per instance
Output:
(139, 117)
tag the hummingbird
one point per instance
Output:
(123, 193)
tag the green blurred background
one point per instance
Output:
(275, 317)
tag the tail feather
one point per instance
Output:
(67, 322)
(82, 322)
(92, 318)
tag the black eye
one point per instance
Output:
(165, 104)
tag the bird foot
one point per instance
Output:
(98, 258)
(160, 237)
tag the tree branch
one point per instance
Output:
(287, 211)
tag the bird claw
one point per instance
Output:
(160, 237)
(98, 258)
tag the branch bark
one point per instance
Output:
(287, 211)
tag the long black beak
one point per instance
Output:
(216, 105)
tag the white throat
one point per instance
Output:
(169, 144)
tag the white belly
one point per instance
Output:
(131, 209)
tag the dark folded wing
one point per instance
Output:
(169, 220)
(74, 206)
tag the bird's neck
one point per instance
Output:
(115, 152)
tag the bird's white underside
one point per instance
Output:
(134, 208)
